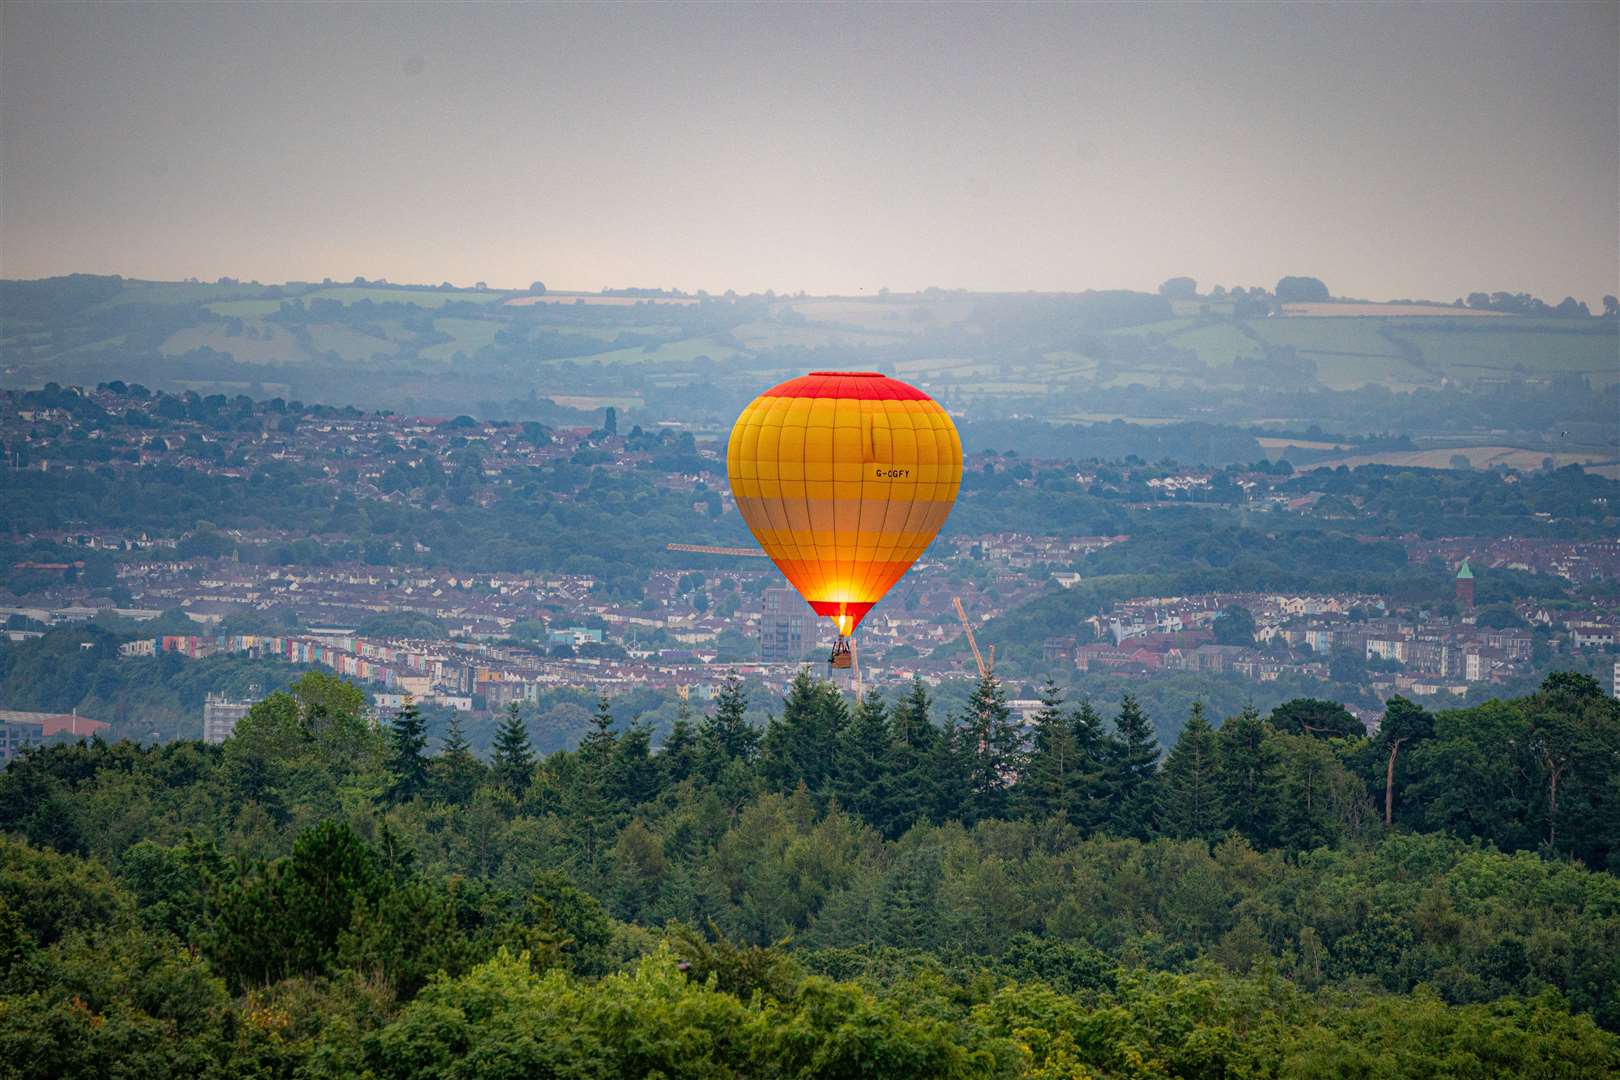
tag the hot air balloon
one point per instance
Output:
(844, 477)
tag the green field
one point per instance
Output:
(470, 335)
(898, 318)
(1352, 372)
(1108, 418)
(1500, 353)
(1217, 345)
(244, 309)
(1167, 328)
(1358, 336)
(947, 368)
(280, 348)
(771, 335)
(1350, 352)
(1202, 307)
(277, 345)
(591, 402)
(1067, 363)
(351, 344)
(1148, 377)
(353, 294)
(181, 292)
(687, 350)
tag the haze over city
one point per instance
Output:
(1394, 150)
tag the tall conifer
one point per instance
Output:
(993, 750)
(1094, 749)
(677, 758)
(1132, 779)
(801, 744)
(913, 746)
(513, 763)
(1251, 777)
(727, 736)
(949, 763)
(1191, 805)
(1053, 777)
(456, 771)
(407, 739)
(862, 781)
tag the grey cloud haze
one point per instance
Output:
(1392, 150)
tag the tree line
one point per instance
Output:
(852, 884)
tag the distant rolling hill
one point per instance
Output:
(1080, 358)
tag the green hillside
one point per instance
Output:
(1092, 355)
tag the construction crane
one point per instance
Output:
(985, 668)
(705, 549)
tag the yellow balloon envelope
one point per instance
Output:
(844, 478)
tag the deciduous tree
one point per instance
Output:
(1403, 725)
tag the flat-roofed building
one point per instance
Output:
(787, 629)
(220, 715)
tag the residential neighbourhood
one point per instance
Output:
(485, 639)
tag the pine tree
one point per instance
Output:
(801, 745)
(908, 909)
(677, 758)
(727, 747)
(596, 748)
(1307, 817)
(1053, 777)
(407, 738)
(639, 868)
(593, 800)
(1191, 806)
(949, 763)
(636, 774)
(456, 771)
(727, 736)
(1251, 777)
(912, 784)
(1131, 776)
(513, 763)
(993, 747)
(1094, 750)
(861, 783)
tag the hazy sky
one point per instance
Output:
(1391, 150)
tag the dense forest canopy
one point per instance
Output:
(854, 889)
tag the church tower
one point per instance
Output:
(1465, 586)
